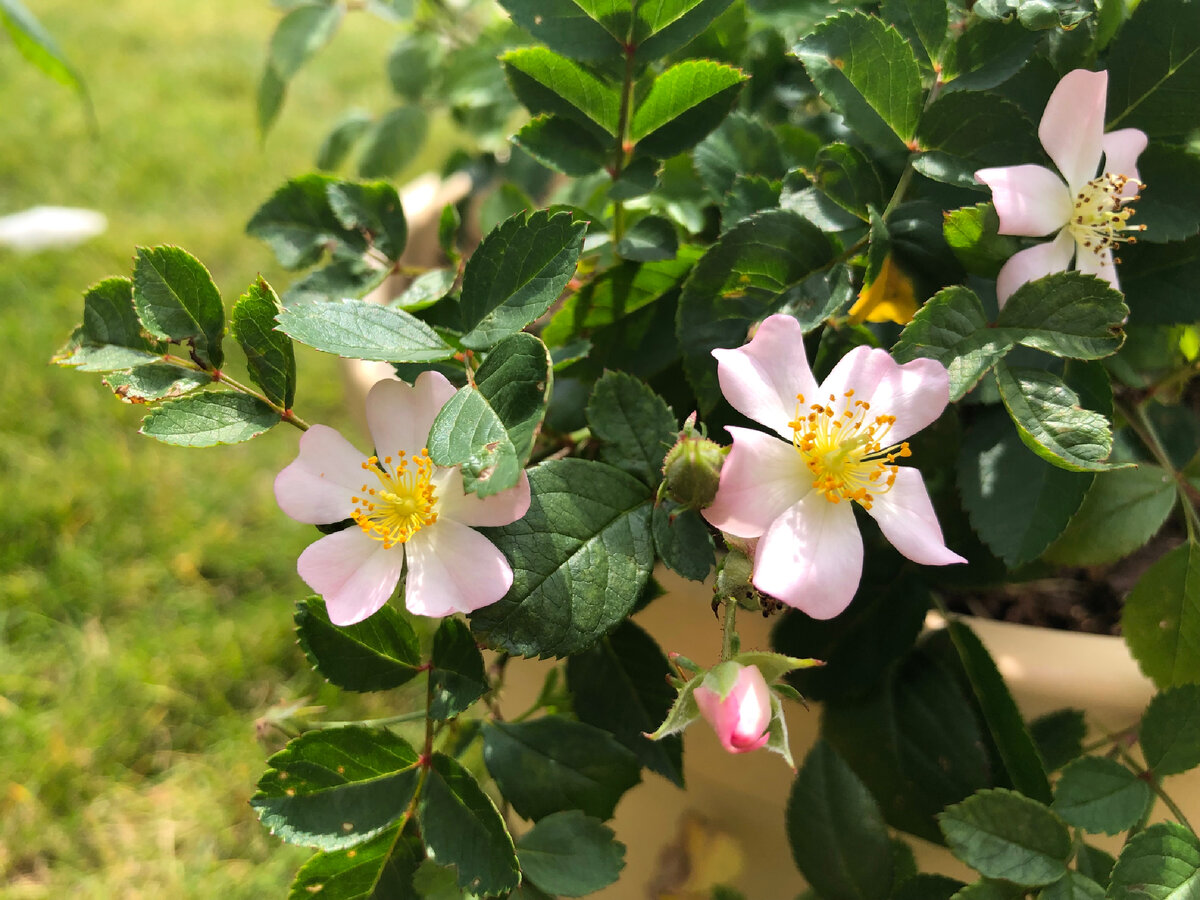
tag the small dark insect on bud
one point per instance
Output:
(692, 468)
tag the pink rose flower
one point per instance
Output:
(1087, 211)
(840, 442)
(405, 509)
(741, 716)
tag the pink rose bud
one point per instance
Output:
(740, 717)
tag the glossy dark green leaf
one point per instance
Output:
(176, 300)
(1101, 795)
(1067, 314)
(849, 178)
(650, 239)
(1169, 204)
(518, 270)
(298, 223)
(393, 142)
(269, 353)
(1162, 862)
(553, 764)
(739, 146)
(636, 426)
(489, 429)
(1159, 282)
(662, 28)
(980, 128)
(565, 28)
(556, 142)
(682, 540)
(376, 654)
(986, 55)
(1059, 737)
(374, 209)
(684, 104)
(1161, 618)
(570, 854)
(379, 869)
(461, 827)
(923, 23)
(457, 677)
(361, 330)
(337, 788)
(1170, 731)
(212, 417)
(143, 384)
(836, 831)
(620, 685)
(1003, 834)
(867, 72)
(548, 83)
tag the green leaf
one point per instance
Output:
(298, 223)
(952, 328)
(636, 426)
(848, 178)
(661, 28)
(142, 384)
(683, 104)
(565, 28)
(361, 330)
(1161, 618)
(176, 300)
(213, 417)
(1170, 731)
(111, 336)
(1159, 281)
(682, 540)
(1059, 737)
(269, 353)
(751, 271)
(1072, 886)
(379, 869)
(489, 429)
(1156, 93)
(457, 679)
(336, 788)
(1016, 747)
(102, 357)
(979, 128)
(1100, 795)
(269, 98)
(546, 82)
(1067, 314)
(553, 764)
(393, 143)
(620, 685)
(556, 142)
(411, 64)
(1092, 862)
(340, 140)
(926, 887)
(1169, 207)
(38, 46)
(461, 827)
(580, 557)
(739, 146)
(518, 270)
(570, 854)
(374, 209)
(1160, 863)
(426, 289)
(300, 34)
(987, 889)
(865, 71)
(377, 654)
(922, 22)
(1003, 834)
(985, 55)
(650, 239)
(1121, 512)
(838, 837)
(343, 279)
(973, 234)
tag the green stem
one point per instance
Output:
(1144, 429)
(728, 631)
(1156, 786)
(217, 375)
(907, 175)
(620, 159)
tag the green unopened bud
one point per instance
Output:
(692, 468)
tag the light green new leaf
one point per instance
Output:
(379, 653)
(488, 429)
(213, 417)
(1003, 834)
(176, 300)
(269, 353)
(1100, 795)
(684, 103)
(1170, 731)
(570, 854)
(379, 869)
(580, 557)
(38, 46)
(361, 330)
(1160, 863)
(336, 788)
(546, 82)
(866, 71)
(1161, 618)
(973, 233)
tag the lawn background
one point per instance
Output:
(146, 591)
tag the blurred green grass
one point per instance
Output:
(146, 591)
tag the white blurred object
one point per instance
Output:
(45, 227)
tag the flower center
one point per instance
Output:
(1100, 218)
(404, 501)
(845, 450)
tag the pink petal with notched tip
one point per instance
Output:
(471, 509)
(1121, 151)
(1033, 263)
(452, 568)
(906, 518)
(353, 572)
(399, 415)
(316, 488)
(762, 378)
(1030, 200)
(811, 557)
(761, 478)
(1072, 126)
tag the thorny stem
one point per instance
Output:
(1144, 429)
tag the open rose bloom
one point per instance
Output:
(835, 444)
(1084, 204)
(405, 510)
(735, 700)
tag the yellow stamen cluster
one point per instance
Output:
(404, 501)
(843, 447)
(1100, 218)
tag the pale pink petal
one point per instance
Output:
(1072, 126)
(916, 393)
(741, 719)
(470, 509)
(906, 518)
(761, 379)
(1033, 263)
(399, 416)
(353, 572)
(762, 476)
(316, 488)
(1030, 200)
(452, 568)
(811, 557)
(1121, 151)
(860, 371)
(1099, 264)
